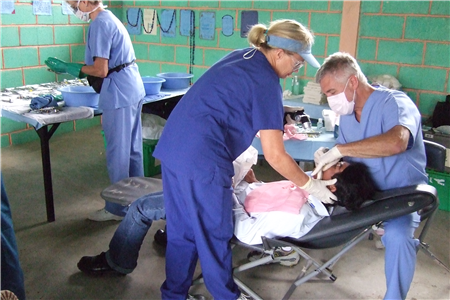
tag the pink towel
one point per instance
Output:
(290, 132)
(276, 196)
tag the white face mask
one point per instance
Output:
(339, 103)
(84, 16)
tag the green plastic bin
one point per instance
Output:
(152, 166)
(441, 181)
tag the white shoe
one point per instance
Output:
(104, 215)
(195, 297)
(287, 258)
(243, 297)
(7, 295)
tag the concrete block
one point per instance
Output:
(381, 26)
(20, 57)
(400, 52)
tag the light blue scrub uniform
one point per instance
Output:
(120, 100)
(212, 124)
(383, 110)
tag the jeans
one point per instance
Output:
(124, 247)
(400, 255)
(12, 275)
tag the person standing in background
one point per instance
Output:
(111, 70)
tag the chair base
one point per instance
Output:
(425, 248)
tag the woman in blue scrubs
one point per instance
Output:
(213, 124)
(108, 46)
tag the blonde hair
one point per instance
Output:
(285, 28)
(341, 65)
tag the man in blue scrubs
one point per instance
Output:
(210, 127)
(382, 129)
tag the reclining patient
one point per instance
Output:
(353, 186)
(281, 209)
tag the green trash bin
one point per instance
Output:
(152, 166)
(441, 181)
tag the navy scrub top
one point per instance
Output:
(217, 119)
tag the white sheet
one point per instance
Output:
(249, 228)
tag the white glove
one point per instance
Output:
(318, 188)
(326, 160)
(319, 152)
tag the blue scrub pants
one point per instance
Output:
(124, 247)
(199, 226)
(12, 275)
(123, 133)
(400, 255)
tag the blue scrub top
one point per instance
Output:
(383, 110)
(108, 38)
(219, 116)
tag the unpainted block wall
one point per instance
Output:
(164, 54)
(409, 40)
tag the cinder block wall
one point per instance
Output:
(164, 54)
(409, 40)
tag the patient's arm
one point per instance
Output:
(250, 177)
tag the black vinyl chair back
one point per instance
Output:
(435, 156)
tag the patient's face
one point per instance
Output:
(337, 168)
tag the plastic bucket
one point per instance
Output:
(79, 96)
(152, 85)
(175, 80)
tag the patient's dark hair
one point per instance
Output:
(354, 186)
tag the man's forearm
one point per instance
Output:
(393, 142)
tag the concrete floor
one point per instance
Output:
(49, 252)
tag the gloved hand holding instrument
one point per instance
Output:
(58, 66)
(325, 159)
(318, 188)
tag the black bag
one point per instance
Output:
(441, 114)
(97, 82)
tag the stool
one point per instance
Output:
(128, 190)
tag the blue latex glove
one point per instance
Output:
(43, 101)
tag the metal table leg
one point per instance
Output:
(45, 135)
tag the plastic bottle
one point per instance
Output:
(320, 125)
(295, 86)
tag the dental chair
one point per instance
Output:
(346, 229)
(343, 228)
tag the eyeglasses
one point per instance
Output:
(297, 63)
